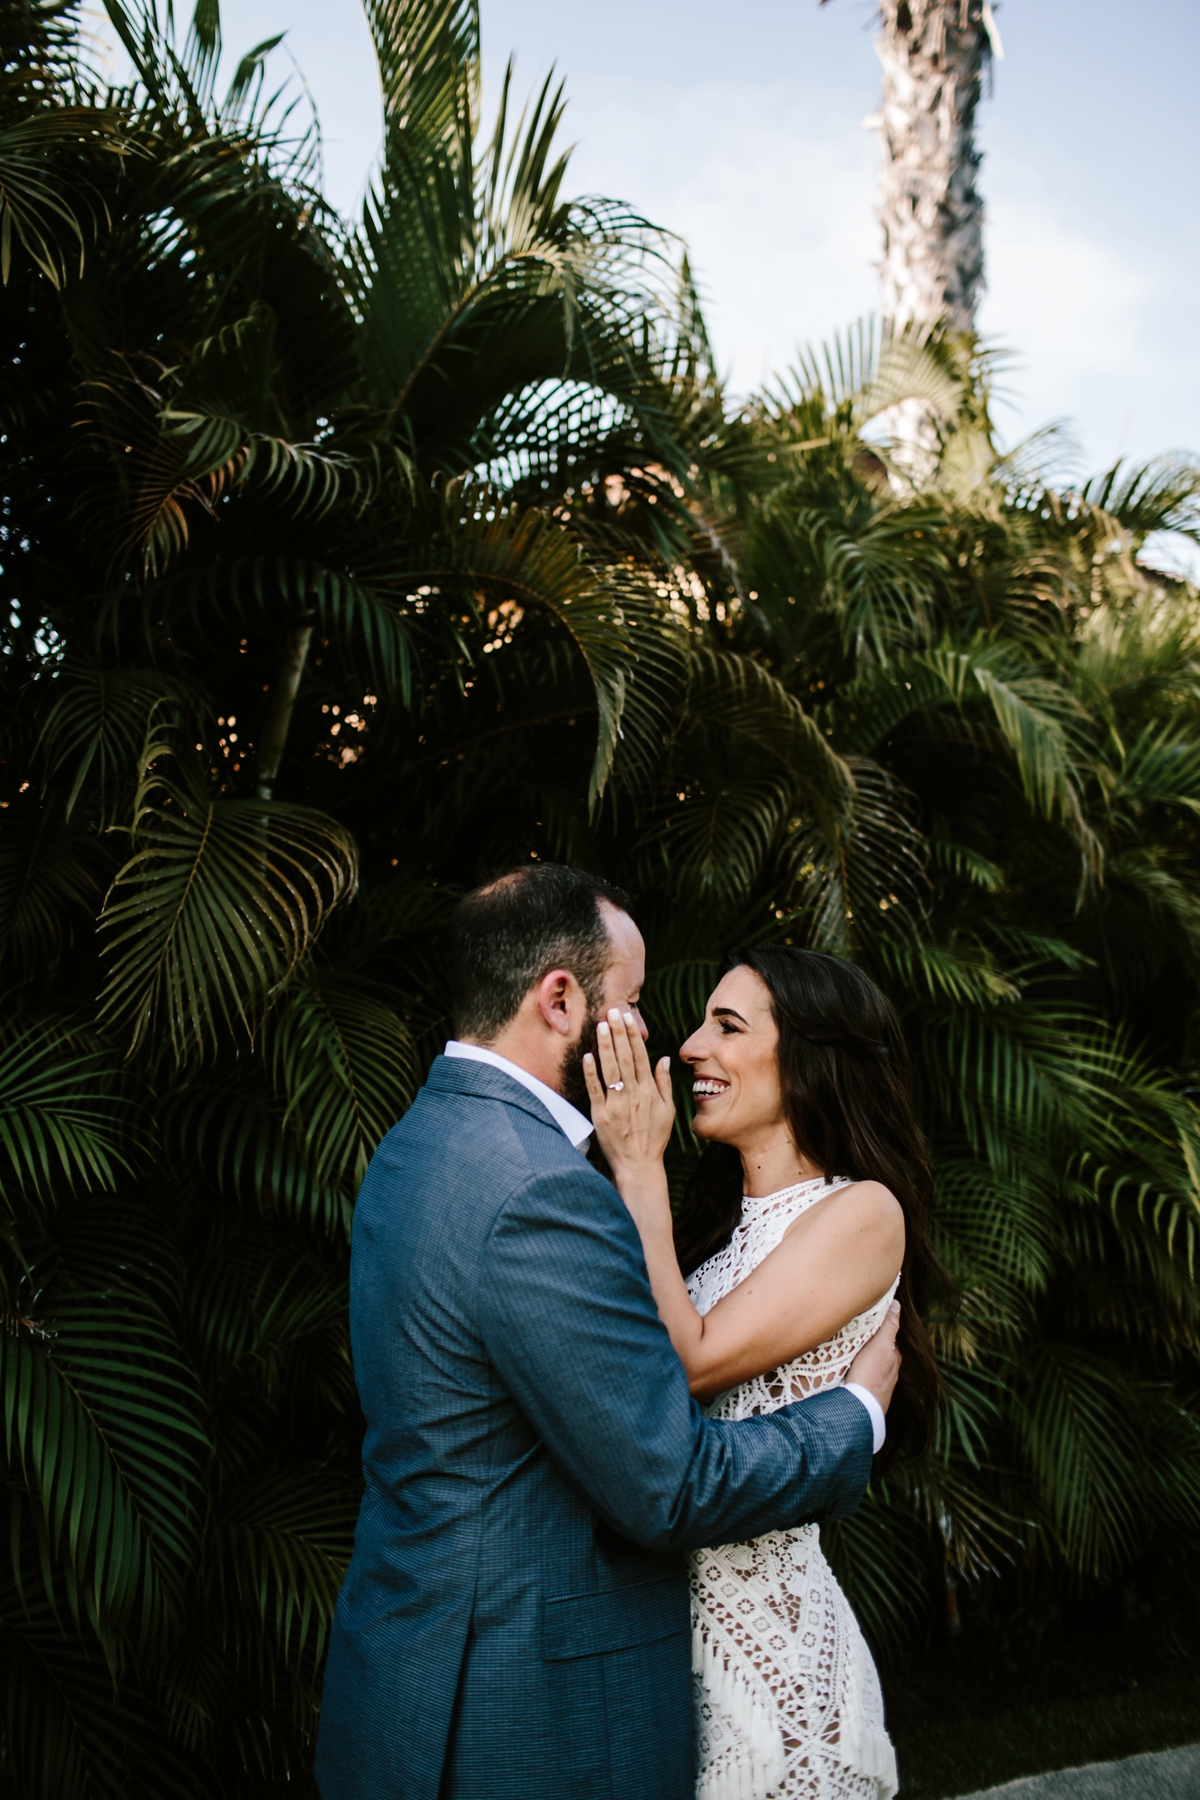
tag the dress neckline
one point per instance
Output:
(762, 1201)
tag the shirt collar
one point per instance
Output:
(570, 1121)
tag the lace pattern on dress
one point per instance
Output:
(788, 1704)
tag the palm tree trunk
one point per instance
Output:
(279, 712)
(933, 53)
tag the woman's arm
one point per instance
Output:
(835, 1261)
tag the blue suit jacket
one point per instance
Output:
(514, 1622)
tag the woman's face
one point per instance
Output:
(734, 1062)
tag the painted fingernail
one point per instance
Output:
(603, 1029)
(614, 1012)
(588, 1057)
(629, 1018)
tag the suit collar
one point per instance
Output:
(460, 1075)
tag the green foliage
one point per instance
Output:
(349, 560)
(216, 908)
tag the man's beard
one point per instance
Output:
(573, 1086)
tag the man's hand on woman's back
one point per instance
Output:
(877, 1365)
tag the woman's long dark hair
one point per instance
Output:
(847, 1093)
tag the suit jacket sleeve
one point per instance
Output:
(569, 1321)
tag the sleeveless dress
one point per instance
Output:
(788, 1704)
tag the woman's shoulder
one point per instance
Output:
(853, 1208)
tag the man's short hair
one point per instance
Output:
(508, 934)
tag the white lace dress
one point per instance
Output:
(788, 1705)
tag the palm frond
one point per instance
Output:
(717, 841)
(428, 52)
(47, 201)
(214, 909)
(65, 1117)
(866, 875)
(521, 559)
(66, 1732)
(250, 1300)
(49, 886)
(966, 863)
(284, 1540)
(102, 1420)
(876, 1556)
(345, 1065)
(96, 727)
(233, 1131)
(743, 698)
(676, 994)
(950, 972)
(365, 608)
(1162, 495)
(1001, 1237)
(1079, 1425)
(1162, 767)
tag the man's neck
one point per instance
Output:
(537, 1059)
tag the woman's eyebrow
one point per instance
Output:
(727, 1012)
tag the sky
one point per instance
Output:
(739, 127)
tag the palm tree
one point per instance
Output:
(933, 53)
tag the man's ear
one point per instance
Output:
(555, 1000)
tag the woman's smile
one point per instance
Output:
(708, 1087)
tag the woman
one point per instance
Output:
(807, 1215)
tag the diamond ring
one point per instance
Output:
(616, 1087)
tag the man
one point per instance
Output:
(514, 1623)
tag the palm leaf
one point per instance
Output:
(1001, 1236)
(675, 995)
(217, 905)
(285, 1539)
(1037, 719)
(966, 863)
(41, 203)
(717, 840)
(864, 876)
(345, 1064)
(744, 698)
(234, 1132)
(428, 52)
(101, 1419)
(365, 608)
(251, 1299)
(876, 1555)
(619, 626)
(943, 971)
(1160, 767)
(1162, 495)
(48, 886)
(64, 1119)
(66, 1732)
(1079, 1423)
(96, 727)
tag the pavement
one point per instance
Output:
(1161, 1775)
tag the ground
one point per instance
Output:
(1108, 1679)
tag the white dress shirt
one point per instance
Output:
(577, 1130)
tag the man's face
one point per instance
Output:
(622, 988)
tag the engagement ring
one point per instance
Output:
(616, 1087)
